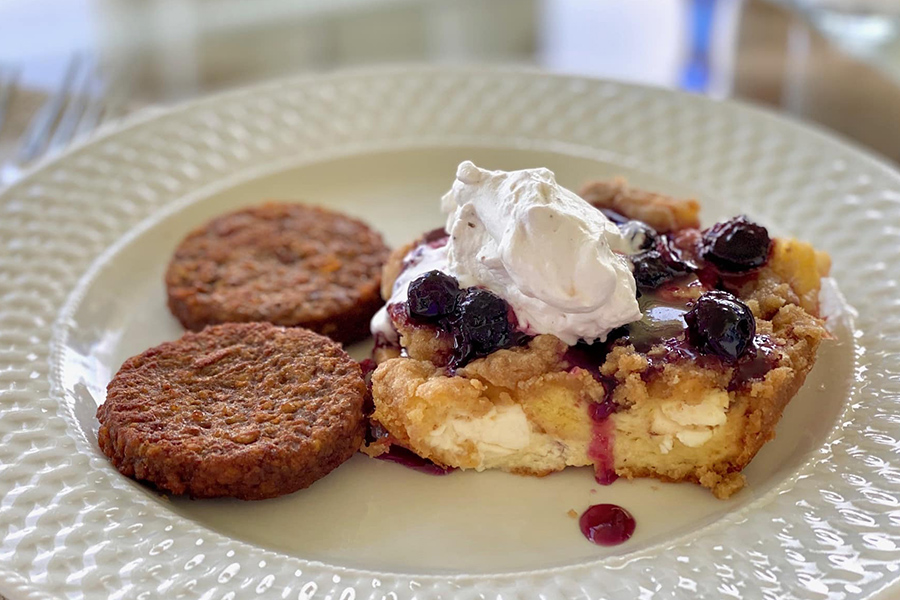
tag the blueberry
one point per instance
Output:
(658, 264)
(736, 245)
(483, 321)
(638, 234)
(433, 295)
(720, 324)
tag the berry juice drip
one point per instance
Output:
(607, 524)
(402, 456)
(760, 358)
(600, 449)
(589, 358)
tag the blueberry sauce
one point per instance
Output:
(679, 349)
(600, 449)
(756, 362)
(590, 357)
(599, 411)
(407, 458)
(760, 358)
(368, 366)
(725, 256)
(660, 321)
(607, 524)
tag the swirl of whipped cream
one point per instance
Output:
(556, 260)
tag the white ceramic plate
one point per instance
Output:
(86, 239)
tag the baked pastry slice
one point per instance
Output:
(691, 391)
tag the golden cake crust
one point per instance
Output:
(663, 213)
(416, 400)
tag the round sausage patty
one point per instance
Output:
(248, 410)
(288, 264)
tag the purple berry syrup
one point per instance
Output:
(607, 524)
(600, 449)
(407, 458)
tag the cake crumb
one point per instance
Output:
(572, 513)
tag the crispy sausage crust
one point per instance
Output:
(288, 264)
(247, 410)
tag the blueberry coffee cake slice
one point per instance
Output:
(541, 330)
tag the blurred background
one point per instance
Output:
(66, 66)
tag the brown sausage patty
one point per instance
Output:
(248, 410)
(287, 264)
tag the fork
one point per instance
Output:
(82, 101)
(8, 79)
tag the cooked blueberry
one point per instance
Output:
(462, 348)
(650, 270)
(638, 234)
(433, 295)
(736, 245)
(658, 264)
(484, 321)
(720, 324)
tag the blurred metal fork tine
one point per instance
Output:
(94, 112)
(110, 99)
(74, 111)
(8, 83)
(85, 98)
(41, 127)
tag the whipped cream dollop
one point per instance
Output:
(557, 261)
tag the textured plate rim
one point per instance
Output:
(404, 72)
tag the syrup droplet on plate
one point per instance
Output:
(606, 524)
